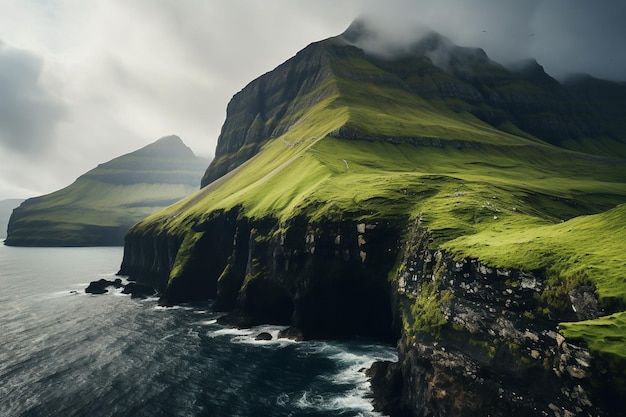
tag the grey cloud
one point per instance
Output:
(28, 114)
(581, 36)
(565, 36)
(206, 52)
(501, 27)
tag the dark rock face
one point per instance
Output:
(326, 279)
(387, 384)
(100, 286)
(608, 100)
(135, 289)
(527, 97)
(496, 354)
(330, 280)
(152, 258)
(584, 303)
(268, 106)
(263, 336)
(138, 290)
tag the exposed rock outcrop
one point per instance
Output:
(327, 279)
(134, 289)
(100, 286)
(269, 106)
(490, 346)
(474, 339)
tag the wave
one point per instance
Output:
(250, 335)
(71, 355)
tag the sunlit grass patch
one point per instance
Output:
(606, 334)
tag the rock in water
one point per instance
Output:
(100, 286)
(138, 290)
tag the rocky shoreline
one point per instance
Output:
(472, 339)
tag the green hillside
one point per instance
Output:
(388, 144)
(509, 200)
(100, 206)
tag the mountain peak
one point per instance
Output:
(104, 202)
(170, 139)
(358, 30)
(362, 31)
(172, 146)
(383, 42)
(367, 67)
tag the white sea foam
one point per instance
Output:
(309, 400)
(229, 331)
(354, 400)
(282, 399)
(316, 348)
(117, 291)
(207, 322)
(150, 299)
(249, 336)
(167, 308)
(353, 363)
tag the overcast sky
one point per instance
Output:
(84, 81)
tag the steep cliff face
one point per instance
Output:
(525, 97)
(421, 199)
(479, 340)
(267, 107)
(326, 278)
(608, 105)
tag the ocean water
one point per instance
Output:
(67, 353)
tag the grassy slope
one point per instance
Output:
(506, 199)
(116, 194)
(98, 203)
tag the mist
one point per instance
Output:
(565, 36)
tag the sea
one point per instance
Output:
(66, 353)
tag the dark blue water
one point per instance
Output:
(67, 353)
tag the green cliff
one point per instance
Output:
(6, 208)
(99, 207)
(473, 212)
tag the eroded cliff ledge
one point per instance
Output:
(473, 340)
(484, 341)
(328, 279)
